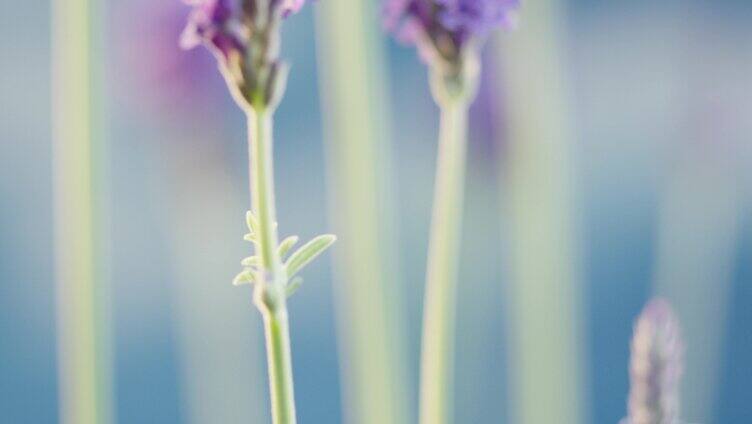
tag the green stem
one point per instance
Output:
(547, 340)
(352, 72)
(443, 261)
(80, 250)
(262, 188)
(269, 296)
(279, 360)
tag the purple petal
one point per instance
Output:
(462, 19)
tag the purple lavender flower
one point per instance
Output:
(216, 23)
(447, 34)
(244, 36)
(447, 26)
(656, 366)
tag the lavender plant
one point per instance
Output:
(448, 35)
(656, 366)
(244, 36)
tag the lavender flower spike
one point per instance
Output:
(244, 36)
(656, 366)
(447, 31)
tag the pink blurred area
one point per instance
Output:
(151, 73)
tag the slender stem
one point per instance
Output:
(262, 187)
(352, 73)
(546, 339)
(270, 294)
(443, 262)
(82, 319)
(279, 359)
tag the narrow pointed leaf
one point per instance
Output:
(250, 261)
(294, 285)
(307, 253)
(252, 222)
(245, 277)
(286, 245)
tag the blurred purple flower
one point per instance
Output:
(656, 366)
(226, 26)
(244, 36)
(153, 74)
(218, 24)
(447, 26)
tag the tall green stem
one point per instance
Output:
(269, 295)
(546, 338)
(262, 188)
(443, 262)
(82, 312)
(374, 384)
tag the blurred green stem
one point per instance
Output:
(443, 262)
(544, 295)
(270, 294)
(370, 328)
(83, 344)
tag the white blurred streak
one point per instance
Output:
(701, 207)
(221, 368)
(547, 344)
(628, 85)
(696, 252)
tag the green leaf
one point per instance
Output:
(252, 222)
(286, 245)
(307, 253)
(251, 261)
(294, 285)
(245, 277)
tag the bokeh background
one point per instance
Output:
(658, 100)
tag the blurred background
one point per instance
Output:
(648, 190)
